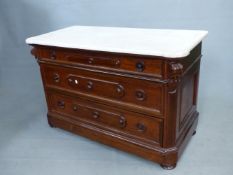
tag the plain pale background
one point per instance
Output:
(29, 146)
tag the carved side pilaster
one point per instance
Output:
(34, 52)
(174, 79)
(175, 73)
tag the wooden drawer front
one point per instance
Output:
(135, 64)
(110, 118)
(134, 91)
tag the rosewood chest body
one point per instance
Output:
(132, 89)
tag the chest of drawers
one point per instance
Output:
(132, 89)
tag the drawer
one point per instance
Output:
(138, 93)
(111, 61)
(133, 124)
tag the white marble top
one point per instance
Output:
(156, 42)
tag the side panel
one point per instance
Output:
(188, 98)
(181, 95)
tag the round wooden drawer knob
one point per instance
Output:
(75, 107)
(89, 85)
(117, 62)
(140, 66)
(53, 55)
(56, 77)
(120, 90)
(140, 95)
(141, 127)
(90, 60)
(61, 104)
(122, 122)
(95, 115)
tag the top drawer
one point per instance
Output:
(104, 60)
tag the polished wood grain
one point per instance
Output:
(145, 105)
(119, 121)
(135, 92)
(109, 61)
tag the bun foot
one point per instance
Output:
(49, 122)
(168, 167)
(51, 125)
(194, 132)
